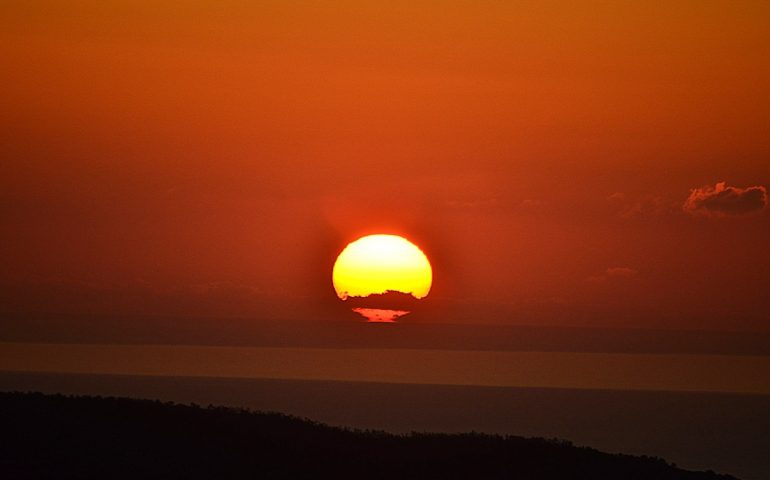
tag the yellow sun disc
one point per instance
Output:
(379, 263)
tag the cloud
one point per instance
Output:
(473, 204)
(531, 203)
(722, 200)
(612, 273)
(621, 272)
(138, 297)
(646, 206)
(391, 300)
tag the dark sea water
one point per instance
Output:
(725, 432)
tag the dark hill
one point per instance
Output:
(45, 436)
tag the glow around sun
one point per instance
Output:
(376, 264)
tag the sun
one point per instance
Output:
(378, 264)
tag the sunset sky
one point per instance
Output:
(560, 163)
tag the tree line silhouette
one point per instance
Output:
(56, 436)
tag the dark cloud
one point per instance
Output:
(140, 298)
(390, 300)
(722, 200)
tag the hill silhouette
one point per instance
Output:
(55, 436)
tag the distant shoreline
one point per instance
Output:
(659, 372)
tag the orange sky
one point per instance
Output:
(214, 157)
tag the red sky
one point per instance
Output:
(214, 157)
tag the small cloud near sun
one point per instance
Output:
(723, 200)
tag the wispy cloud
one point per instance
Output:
(640, 206)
